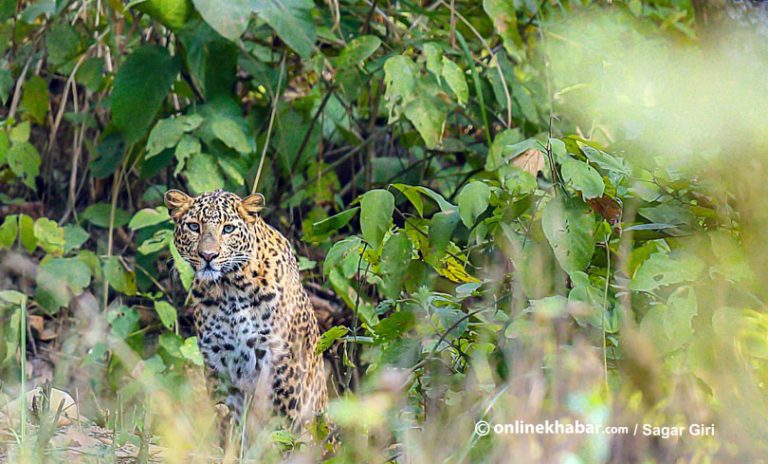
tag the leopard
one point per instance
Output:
(253, 318)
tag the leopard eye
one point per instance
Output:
(229, 228)
(193, 226)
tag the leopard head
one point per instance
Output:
(214, 231)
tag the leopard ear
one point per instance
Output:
(177, 202)
(250, 207)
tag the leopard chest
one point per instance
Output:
(235, 333)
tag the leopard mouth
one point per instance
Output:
(208, 272)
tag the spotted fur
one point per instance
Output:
(254, 320)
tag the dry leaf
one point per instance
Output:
(606, 207)
(36, 322)
(530, 161)
(35, 397)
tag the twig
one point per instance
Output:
(275, 98)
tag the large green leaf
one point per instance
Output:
(663, 269)
(167, 313)
(292, 20)
(118, 276)
(568, 226)
(24, 161)
(203, 174)
(149, 217)
(333, 223)
(168, 132)
(583, 178)
(50, 237)
(58, 280)
(394, 261)
(34, 99)
(376, 208)
(99, 214)
(171, 13)
(229, 132)
(504, 17)
(357, 50)
(141, 84)
(454, 76)
(473, 201)
(229, 18)
(415, 97)
(327, 339)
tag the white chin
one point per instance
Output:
(208, 274)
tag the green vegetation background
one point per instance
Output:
(505, 252)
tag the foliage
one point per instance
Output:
(461, 216)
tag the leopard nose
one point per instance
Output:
(208, 255)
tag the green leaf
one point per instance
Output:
(394, 326)
(454, 76)
(191, 351)
(20, 132)
(171, 13)
(428, 118)
(111, 149)
(292, 20)
(400, 75)
(203, 174)
(441, 228)
(358, 50)
(229, 132)
(141, 84)
(74, 237)
(60, 279)
(394, 261)
(376, 208)
(159, 241)
(339, 251)
(227, 18)
(50, 237)
(583, 178)
(149, 217)
(187, 147)
(186, 273)
(496, 156)
(663, 269)
(327, 339)
(473, 201)
(98, 214)
(411, 192)
(167, 313)
(166, 134)
(27, 233)
(118, 276)
(549, 307)
(669, 326)
(333, 223)
(34, 100)
(62, 43)
(24, 161)
(123, 320)
(569, 227)
(433, 53)
(504, 17)
(9, 231)
(606, 161)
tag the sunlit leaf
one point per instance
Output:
(568, 226)
(473, 201)
(376, 208)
